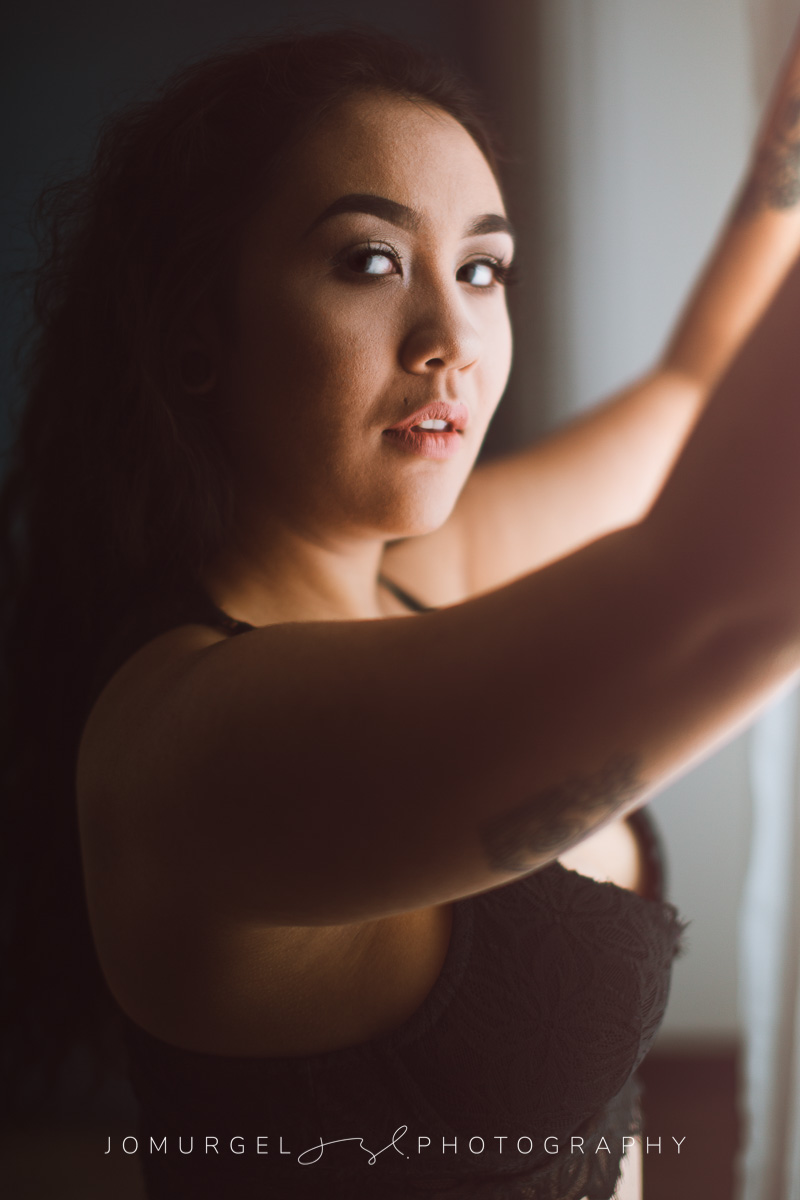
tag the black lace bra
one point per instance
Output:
(515, 1079)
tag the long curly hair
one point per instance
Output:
(118, 489)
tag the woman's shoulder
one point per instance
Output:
(150, 647)
(146, 666)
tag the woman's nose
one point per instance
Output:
(441, 338)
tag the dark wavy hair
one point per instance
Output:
(118, 490)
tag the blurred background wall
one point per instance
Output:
(645, 112)
(627, 124)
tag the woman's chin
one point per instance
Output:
(417, 520)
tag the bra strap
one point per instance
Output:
(403, 596)
(220, 618)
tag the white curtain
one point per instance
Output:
(769, 931)
(770, 917)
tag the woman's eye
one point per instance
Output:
(479, 274)
(372, 262)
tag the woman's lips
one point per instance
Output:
(431, 443)
(428, 443)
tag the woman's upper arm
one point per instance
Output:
(315, 773)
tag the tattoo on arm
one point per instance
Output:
(558, 817)
(774, 181)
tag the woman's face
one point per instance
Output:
(369, 288)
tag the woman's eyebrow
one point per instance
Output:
(403, 216)
(374, 206)
(491, 223)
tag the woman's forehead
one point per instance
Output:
(410, 152)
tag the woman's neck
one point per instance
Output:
(289, 576)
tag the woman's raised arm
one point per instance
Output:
(756, 246)
(323, 772)
(604, 469)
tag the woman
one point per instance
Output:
(273, 335)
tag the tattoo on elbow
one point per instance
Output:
(775, 179)
(555, 819)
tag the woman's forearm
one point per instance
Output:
(756, 247)
(731, 505)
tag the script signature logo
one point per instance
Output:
(318, 1149)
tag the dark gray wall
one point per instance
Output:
(64, 66)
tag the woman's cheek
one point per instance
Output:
(350, 339)
(497, 355)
